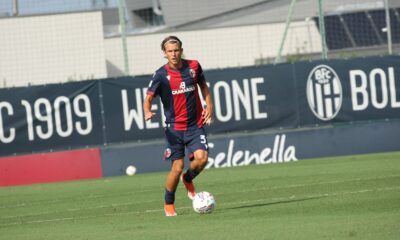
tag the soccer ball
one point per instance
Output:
(203, 202)
(130, 170)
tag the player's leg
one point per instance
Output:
(171, 185)
(175, 154)
(174, 174)
(199, 158)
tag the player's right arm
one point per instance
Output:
(148, 114)
(152, 91)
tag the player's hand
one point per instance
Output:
(207, 117)
(148, 115)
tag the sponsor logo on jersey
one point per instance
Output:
(183, 89)
(324, 92)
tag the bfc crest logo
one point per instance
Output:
(193, 73)
(324, 92)
(167, 153)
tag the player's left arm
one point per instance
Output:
(208, 112)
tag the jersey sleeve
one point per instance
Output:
(201, 79)
(154, 85)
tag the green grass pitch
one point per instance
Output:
(352, 197)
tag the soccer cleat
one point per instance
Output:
(169, 210)
(189, 187)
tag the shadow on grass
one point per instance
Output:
(274, 203)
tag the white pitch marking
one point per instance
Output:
(231, 203)
(142, 191)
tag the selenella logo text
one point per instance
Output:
(230, 156)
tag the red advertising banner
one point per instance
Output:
(50, 167)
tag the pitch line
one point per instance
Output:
(150, 201)
(272, 200)
(94, 196)
(318, 183)
(147, 190)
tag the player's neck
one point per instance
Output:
(176, 66)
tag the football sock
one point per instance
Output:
(190, 175)
(169, 197)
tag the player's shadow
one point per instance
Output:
(274, 203)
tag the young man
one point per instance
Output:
(177, 84)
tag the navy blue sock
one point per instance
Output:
(190, 175)
(169, 197)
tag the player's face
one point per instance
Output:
(173, 52)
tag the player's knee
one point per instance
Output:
(177, 169)
(201, 157)
(203, 161)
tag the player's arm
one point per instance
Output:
(208, 112)
(148, 114)
(152, 91)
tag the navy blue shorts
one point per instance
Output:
(193, 139)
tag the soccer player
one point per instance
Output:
(177, 84)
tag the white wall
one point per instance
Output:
(63, 47)
(216, 48)
(51, 48)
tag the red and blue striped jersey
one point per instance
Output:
(179, 94)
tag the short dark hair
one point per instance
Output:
(171, 39)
